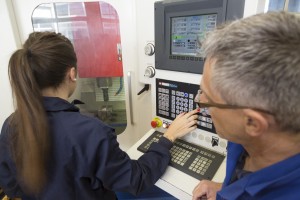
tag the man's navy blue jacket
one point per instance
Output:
(85, 161)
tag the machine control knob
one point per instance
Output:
(214, 141)
(165, 125)
(149, 72)
(149, 49)
(156, 122)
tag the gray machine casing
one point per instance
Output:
(226, 10)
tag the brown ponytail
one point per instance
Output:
(42, 62)
(30, 124)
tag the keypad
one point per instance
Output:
(200, 165)
(191, 159)
(180, 155)
(173, 98)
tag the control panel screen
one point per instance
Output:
(173, 98)
(188, 32)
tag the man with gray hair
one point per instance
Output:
(251, 84)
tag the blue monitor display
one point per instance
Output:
(188, 32)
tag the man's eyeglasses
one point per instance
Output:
(211, 103)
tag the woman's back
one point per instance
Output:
(87, 162)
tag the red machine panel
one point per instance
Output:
(97, 41)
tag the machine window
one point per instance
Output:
(93, 28)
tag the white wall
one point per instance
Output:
(9, 41)
(253, 6)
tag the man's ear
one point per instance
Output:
(255, 123)
(73, 74)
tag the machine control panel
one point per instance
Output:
(173, 98)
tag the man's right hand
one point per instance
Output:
(206, 189)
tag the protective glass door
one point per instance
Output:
(93, 28)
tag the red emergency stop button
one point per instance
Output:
(156, 122)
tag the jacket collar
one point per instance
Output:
(55, 104)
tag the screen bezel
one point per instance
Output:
(163, 14)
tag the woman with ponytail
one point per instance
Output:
(48, 150)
